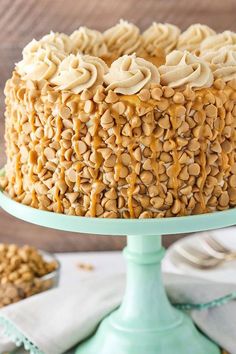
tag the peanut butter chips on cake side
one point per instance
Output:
(124, 124)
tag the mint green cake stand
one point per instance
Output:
(146, 322)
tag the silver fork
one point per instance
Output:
(216, 248)
(197, 258)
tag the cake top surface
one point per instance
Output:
(126, 61)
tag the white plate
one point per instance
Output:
(223, 273)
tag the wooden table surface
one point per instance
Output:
(22, 20)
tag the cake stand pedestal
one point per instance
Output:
(146, 322)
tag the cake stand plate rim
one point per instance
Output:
(106, 226)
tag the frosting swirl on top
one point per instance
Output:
(124, 38)
(158, 35)
(129, 74)
(58, 40)
(88, 42)
(80, 72)
(193, 36)
(223, 63)
(40, 61)
(184, 68)
(218, 41)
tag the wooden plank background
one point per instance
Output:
(22, 20)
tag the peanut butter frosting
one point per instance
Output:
(80, 72)
(129, 74)
(223, 63)
(184, 68)
(193, 36)
(124, 38)
(40, 61)
(89, 42)
(158, 35)
(43, 59)
(59, 40)
(218, 41)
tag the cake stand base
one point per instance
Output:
(181, 338)
(146, 322)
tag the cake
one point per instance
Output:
(124, 124)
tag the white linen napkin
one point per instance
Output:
(57, 320)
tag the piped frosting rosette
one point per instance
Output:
(58, 40)
(129, 74)
(218, 41)
(193, 36)
(184, 68)
(160, 36)
(124, 38)
(89, 42)
(223, 63)
(79, 72)
(40, 61)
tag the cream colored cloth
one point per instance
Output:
(57, 320)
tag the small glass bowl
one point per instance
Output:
(11, 293)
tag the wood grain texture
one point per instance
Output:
(22, 20)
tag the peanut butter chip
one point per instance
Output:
(145, 215)
(118, 107)
(71, 175)
(224, 199)
(24, 153)
(227, 146)
(67, 134)
(232, 84)
(99, 95)
(194, 169)
(26, 128)
(41, 188)
(163, 104)
(194, 145)
(176, 207)
(65, 112)
(106, 120)
(88, 106)
(164, 122)
(110, 162)
(156, 93)
(111, 97)
(127, 131)
(49, 153)
(144, 95)
(157, 202)
(232, 181)
(186, 190)
(86, 95)
(126, 159)
(110, 205)
(179, 98)
(180, 111)
(137, 154)
(211, 111)
(111, 194)
(219, 84)
(216, 147)
(82, 147)
(146, 177)
(168, 92)
(87, 267)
